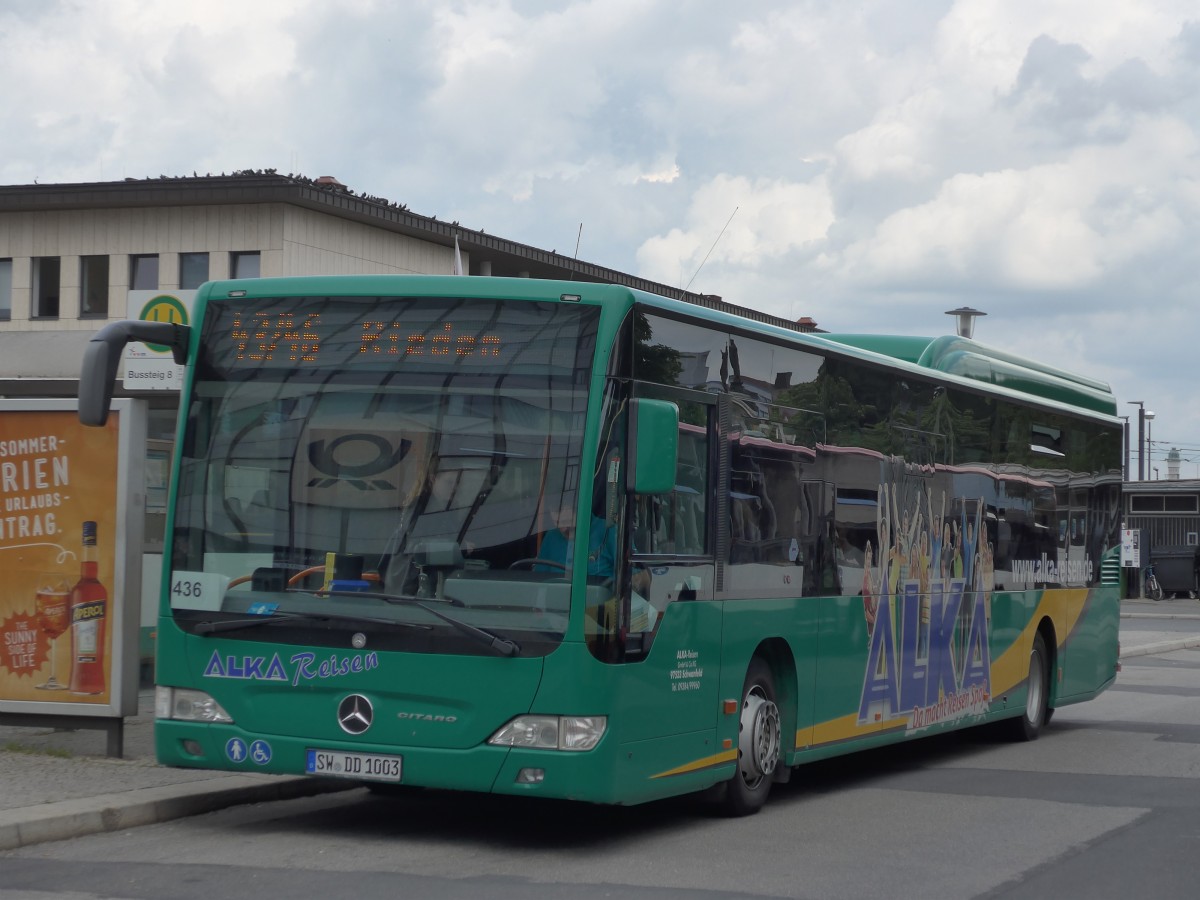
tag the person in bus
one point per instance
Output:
(559, 542)
(558, 547)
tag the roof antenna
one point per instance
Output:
(575, 259)
(712, 248)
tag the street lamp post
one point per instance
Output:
(1141, 405)
(1125, 437)
(1149, 443)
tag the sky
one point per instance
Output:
(870, 164)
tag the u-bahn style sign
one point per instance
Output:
(149, 367)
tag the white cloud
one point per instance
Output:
(1058, 226)
(985, 41)
(742, 223)
(1036, 158)
(663, 173)
(120, 88)
(895, 144)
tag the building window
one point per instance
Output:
(193, 270)
(93, 286)
(1180, 503)
(143, 272)
(245, 265)
(5, 290)
(46, 278)
(1164, 503)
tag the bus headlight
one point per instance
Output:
(187, 706)
(551, 732)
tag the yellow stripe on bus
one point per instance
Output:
(1063, 606)
(847, 728)
(718, 759)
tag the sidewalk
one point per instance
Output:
(1142, 633)
(57, 784)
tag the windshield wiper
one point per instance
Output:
(501, 645)
(256, 620)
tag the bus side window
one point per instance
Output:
(781, 515)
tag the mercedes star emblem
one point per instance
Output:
(354, 714)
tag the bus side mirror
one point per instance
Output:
(98, 374)
(654, 439)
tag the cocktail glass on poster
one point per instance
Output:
(53, 593)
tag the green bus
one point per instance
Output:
(797, 545)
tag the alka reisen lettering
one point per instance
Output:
(306, 667)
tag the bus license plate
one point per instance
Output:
(364, 766)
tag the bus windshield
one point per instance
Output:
(385, 464)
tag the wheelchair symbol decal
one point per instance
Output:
(260, 752)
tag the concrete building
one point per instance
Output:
(1167, 513)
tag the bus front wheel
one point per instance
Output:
(759, 743)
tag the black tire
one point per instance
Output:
(759, 743)
(1028, 725)
(1153, 589)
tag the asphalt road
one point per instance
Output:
(1105, 805)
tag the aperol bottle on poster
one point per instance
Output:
(89, 609)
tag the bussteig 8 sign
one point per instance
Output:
(150, 367)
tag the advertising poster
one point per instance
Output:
(64, 519)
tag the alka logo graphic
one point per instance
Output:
(356, 459)
(929, 659)
(305, 667)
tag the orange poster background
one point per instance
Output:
(55, 474)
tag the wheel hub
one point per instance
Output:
(759, 742)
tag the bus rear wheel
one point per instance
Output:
(759, 743)
(1029, 725)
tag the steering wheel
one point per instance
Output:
(532, 561)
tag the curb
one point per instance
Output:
(65, 819)
(1161, 647)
